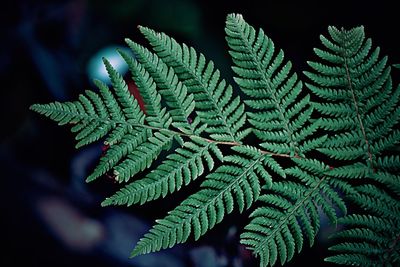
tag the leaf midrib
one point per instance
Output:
(355, 103)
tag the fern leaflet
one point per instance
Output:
(223, 113)
(280, 117)
(355, 85)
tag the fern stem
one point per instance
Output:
(357, 109)
(111, 121)
(264, 152)
(222, 142)
(279, 155)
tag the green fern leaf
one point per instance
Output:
(233, 183)
(361, 80)
(223, 113)
(273, 92)
(175, 93)
(189, 108)
(93, 116)
(180, 168)
(281, 119)
(155, 115)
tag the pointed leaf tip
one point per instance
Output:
(234, 16)
(106, 202)
(33, 107)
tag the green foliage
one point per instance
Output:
(354, 84)
(280, 118)
(312, 152)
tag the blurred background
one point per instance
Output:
(50, 50)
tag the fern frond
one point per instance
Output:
(132, 146)
(273, 90)
(180, 168)
(95, 116)
(223, 113)
(190, 108)
(362, 79)
(155, 115)
(354, 85)
(288, 214)
(170, 87)
(234, 183)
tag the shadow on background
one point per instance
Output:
(51, 50)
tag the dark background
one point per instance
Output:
(49, 216)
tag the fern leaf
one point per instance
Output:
(363, 81)
(155, 115)
(170, 87)
(180, 168)
(230, 184)
(185, 99)
(261, 74)
(356, 75)
(216, 107)
(279, 226)
(96, 116)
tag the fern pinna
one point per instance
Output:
(360, 109)
(188, 105)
